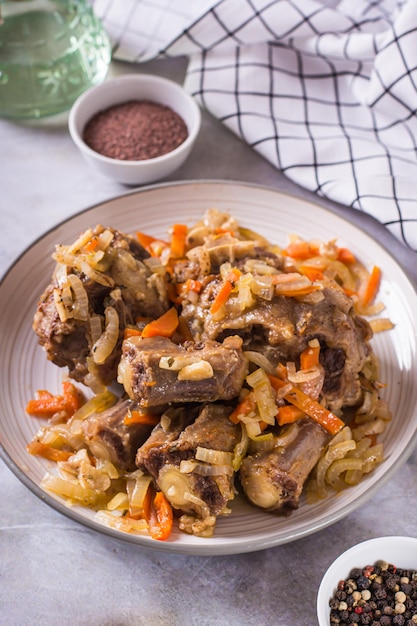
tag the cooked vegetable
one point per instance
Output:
(47, 405)
(315, 410)
(225, 290)
(178, 239)
(371, 286)
(164, 326)
(161, 517)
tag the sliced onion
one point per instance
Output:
(260, 360)
(304, 376)
(105, 345)
(71, 490)
(59, 305)
(259, 267)
(245, 297)
(95, 276)
(290, 283)
(80, 306)
(137, 490)
(79, 243)
(199, 504)
(262, 287)
(95, 327)
(217, 457)
(253, 428)
(119, 502)
(380, 324)
(196, 371)
(94, 259)
(125, 524)
(205, 469)
(258, 377)
(67, 297)
(96, 404)
(240, 450)
(262, 443)
(287, 435)
(105, 238)
(60, 274)
(175, 363)
(375, 427)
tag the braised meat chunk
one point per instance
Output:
(101, 283)
(274, 479)
(110, 436)
(192, 465)
(156, 371)
(282, 327)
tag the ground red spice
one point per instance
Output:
(135, 131)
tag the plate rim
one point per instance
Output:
(244, 545)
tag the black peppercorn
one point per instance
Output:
(363, 582)
(380, 595)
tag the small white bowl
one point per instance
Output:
(399, 551)
(127, 88)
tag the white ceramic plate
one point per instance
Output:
(153, 209)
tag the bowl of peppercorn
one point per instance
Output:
(374, 583)
(135, 128)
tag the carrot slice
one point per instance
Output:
(131, 332)
(91, 245)
(144, 239)
(37, 448)
(225, 290)
(46, 404)
(345, 256)
(178, 237)
(300, 250)
(312, 273)
(221, 297)
(309, 358)
(190, 285)
(288, 414)
(153, 245)
(163, 326)
(243, 408)
(140, 417)
(161, 517)
(315, 410)
(277, 383)
(372, 286)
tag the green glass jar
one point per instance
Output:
(51, 51)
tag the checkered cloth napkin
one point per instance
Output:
(327, 95)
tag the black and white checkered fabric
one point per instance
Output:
(327, 95)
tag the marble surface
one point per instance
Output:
(55, 572)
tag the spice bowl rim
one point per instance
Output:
(396, 549)
(135, 86)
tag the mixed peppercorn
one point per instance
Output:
(377, 595)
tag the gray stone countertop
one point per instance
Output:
(56, 572)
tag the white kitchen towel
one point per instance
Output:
(326, 94)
